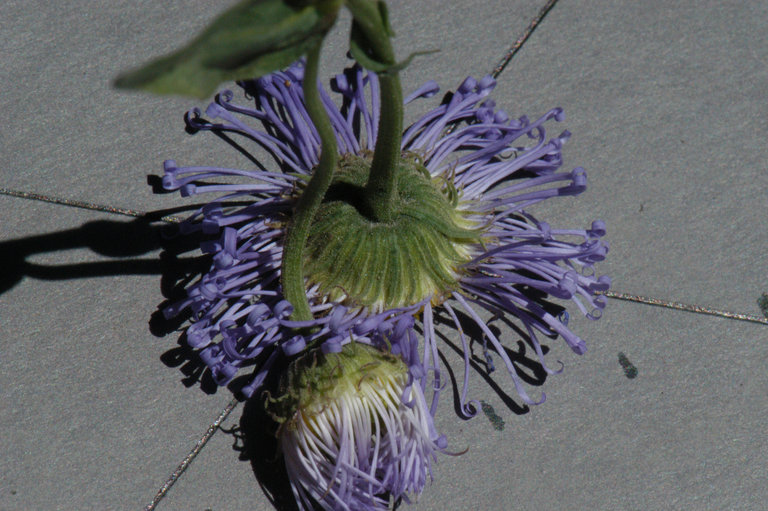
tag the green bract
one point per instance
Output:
(315, 379)
(253, 38)
(382, 265)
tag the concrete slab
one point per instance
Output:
(667, 108)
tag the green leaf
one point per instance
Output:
(364, 52)
(369, 62)
(254, 38)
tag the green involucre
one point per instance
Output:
(315, 379)
(383, 265)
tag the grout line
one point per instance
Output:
(192, 454)
(523, 37)
(84, 205)
(698, 309)
(502, 64)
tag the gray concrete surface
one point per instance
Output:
(667, 105)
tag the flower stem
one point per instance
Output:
(309, 201)
(381, 188)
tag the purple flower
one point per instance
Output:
(354, 430)
(499, 166)
(484, 172)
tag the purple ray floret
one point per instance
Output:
(503, 166)
(239, 312)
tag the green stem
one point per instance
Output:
(381, 188)
(309, 201)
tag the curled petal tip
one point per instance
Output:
(468, 85)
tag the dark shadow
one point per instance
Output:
(120, 240)
(529, 370)
(455, 386)
(193, 369)
(124, 241)
(480, 368)
(261, 449)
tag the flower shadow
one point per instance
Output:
(260, 447)
(528, 369)
(121, 241)
(177, 271)
(119, 244)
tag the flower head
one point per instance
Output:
(481, 168)
(353, 431)
(462, 238)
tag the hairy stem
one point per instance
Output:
(381, 186)
(381, 189)
(309, 201)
